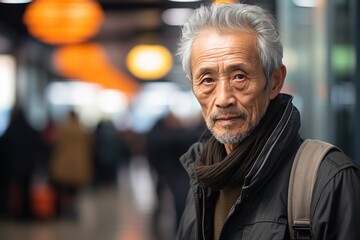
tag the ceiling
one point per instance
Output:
(127, 23)
(125, 20)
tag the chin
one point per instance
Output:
(229, 137)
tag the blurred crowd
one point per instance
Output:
(43, 171)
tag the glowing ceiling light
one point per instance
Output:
(7, 82)
(149, 62)
(63, 22)
(112, 101)
(305, 3)
(89, 62)
(176, 16)
(226, 1)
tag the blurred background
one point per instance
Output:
(95, 109)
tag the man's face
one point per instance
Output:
(229, 83)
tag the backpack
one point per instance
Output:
(302, 180)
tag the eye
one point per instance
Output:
(207, 80)
(205, 85)
(239, 77)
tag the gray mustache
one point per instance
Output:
(238, 114)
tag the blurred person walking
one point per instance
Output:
(71, 167)
(166, 142)
(20, 153)
(110, 153)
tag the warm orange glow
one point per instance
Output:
(63, 21)
(226, 1)
(43, 201)
(89, 62)
(149, 62)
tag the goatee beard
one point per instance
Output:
(230, 137)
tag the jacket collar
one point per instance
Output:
(280, 147)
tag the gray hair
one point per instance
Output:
(234, 17)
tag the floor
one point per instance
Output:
(118, 212)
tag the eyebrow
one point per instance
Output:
(230, 68)
(236, 66)
(204, 70)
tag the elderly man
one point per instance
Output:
(240, 169)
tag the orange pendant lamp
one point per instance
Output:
(63, 21)
(89, 62)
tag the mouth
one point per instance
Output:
(228, 120)
(230, 116)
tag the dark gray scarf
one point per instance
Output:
(215, 169)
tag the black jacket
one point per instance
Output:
(261, 210)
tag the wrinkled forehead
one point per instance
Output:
(219, 46)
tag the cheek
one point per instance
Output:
(261, 109)
(254, 105)
(205, 104)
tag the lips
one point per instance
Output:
(227, 118)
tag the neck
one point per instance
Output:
(230, 147)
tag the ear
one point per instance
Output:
(277, 81)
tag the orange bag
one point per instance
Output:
(43, 200)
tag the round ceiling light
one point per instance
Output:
(63, 22)
(149, 62)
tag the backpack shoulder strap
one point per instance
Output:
(302, 180)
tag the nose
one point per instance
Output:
(224, 94)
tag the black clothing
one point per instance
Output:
(110, 153)
(261, 210)
(166, 142)
(21, 153)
